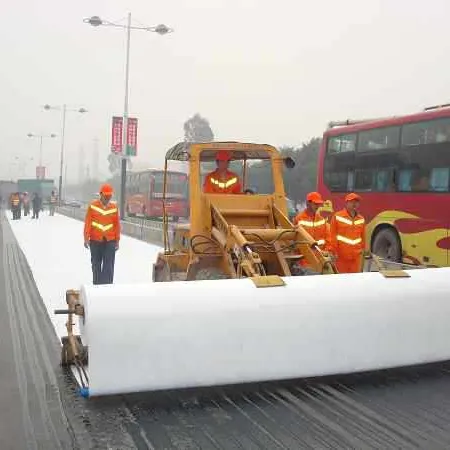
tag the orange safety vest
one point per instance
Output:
(15, 200)
(53, 199)
(347, 235)
(102, 222)
(316, 226)
(214, 184)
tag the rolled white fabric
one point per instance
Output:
(199, 333)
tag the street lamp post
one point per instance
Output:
(41, 137)
(63, 132)
(161, 29)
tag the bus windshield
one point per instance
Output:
(176, 185)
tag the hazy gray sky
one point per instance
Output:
(258, 70)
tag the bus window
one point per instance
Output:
(439, 179)
(364, 180)
(143, 185)
(341, 144)
(416, 180)
(379, 139)
(404, 180)
(429, 132)
(339, 181)
(176, 186)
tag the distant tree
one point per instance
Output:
(198, 129)
(297, 181)
(303, 177)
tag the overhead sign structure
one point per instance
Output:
(117, 136)
(40, 172)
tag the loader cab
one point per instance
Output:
(258, 167)
(260, 170)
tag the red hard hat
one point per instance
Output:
(106, 189)
(352, 196)
(223, 155)
(314, 197)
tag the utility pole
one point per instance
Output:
(161, 29)
(81, 165)
(95, 155)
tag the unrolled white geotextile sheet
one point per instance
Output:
(183, 334)
(54, 250)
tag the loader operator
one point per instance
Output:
(314, 223)
(102, 235)
(222, 180)
(347, 236)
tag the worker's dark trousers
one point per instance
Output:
(16, 213)
(103, 255)
(35, 214)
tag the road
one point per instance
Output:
(406, 408)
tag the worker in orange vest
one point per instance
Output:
(222, 180)
(347, 236)
(16, 206)
(102, 235)
(313, 222)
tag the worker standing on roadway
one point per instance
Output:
(222, 180)
(15, 205)
(313, 222)
(53, 200)
(347, 236)
(26, 203)
(37, 205)
(102, 235)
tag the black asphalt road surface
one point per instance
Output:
(40, 408)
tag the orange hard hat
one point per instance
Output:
(223, 155)
(314, 197)
(106, 189)
(352, 196)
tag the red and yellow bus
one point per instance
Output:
(145, 194)
(401, 168)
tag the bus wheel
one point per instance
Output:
(386, 245)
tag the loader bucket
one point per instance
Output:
(217, 332)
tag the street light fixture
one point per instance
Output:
(41, 137)
(160, 29)
(64, 109)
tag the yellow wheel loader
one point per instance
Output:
(237, 235)
(205, 321)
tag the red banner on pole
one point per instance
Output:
(116, 135)
(40, 172)
(132, 136)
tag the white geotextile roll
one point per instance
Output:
(184, 334)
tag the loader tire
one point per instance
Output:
(211, 273)
(386, 245)
(162, 274)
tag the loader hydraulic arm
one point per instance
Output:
(249, 260)
(231, 239)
